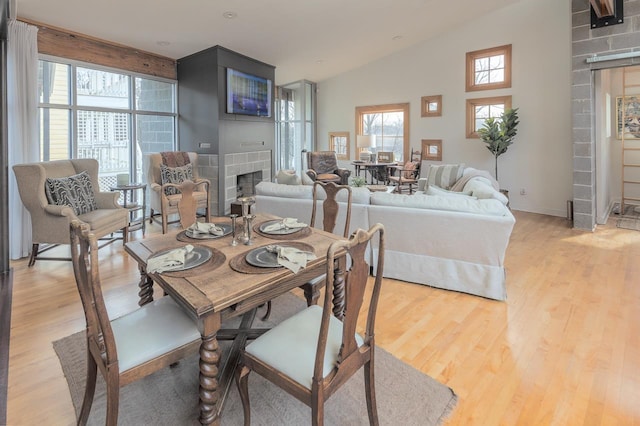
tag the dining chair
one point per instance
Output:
(132, 346)
(311, 354)
(330, 210)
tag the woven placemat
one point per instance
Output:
(303, 233)
(217, 258)
(239, 262)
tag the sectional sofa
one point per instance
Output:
(449, 240)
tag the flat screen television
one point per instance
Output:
(248, 94)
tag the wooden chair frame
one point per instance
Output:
(351, 356)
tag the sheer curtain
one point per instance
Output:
(22, 125)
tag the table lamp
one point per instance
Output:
(365, 141)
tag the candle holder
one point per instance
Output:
(234, 241)
(248, 223)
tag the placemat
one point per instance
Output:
(217, 258)
(182, 236)
(239, 262)
(303, 233)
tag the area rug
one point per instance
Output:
(170, 397)
(630, 219)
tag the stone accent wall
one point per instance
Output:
(208, 168)
(586, 42)
(241, 163)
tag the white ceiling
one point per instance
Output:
(303, 39)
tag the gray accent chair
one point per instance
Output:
(49, 222)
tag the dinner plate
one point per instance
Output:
(198, 256)
(226, 230)
(262, 258)
(281, 231)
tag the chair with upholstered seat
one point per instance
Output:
(323, 167)
(165, 195)
(131, 347)
(57, 192)
(313, 353)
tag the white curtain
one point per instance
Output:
(22, 125)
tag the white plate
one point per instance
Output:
(226, 230)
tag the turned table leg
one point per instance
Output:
(209, 371)
(146, 287)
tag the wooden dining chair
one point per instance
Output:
(313, 353)
(132, 346)
(330, 210)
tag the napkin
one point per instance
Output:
(206, 228)
(169, 261)
(291, 258)
(287, 222)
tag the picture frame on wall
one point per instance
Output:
(432, 149)
(631, 119)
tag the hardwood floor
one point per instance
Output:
(563, 350)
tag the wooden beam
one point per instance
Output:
(80, 47)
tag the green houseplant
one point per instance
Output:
(498, 133)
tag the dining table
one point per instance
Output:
(226, 285)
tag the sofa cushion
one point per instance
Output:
(482, 188)
(444, 175)
(74, 191)
(271, 189)
(436, 190)
(175, 175)
(288, 177)
(463, 204)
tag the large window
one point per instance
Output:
(113, 116)
(390, 125)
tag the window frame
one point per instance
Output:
(471, 133)
(386, 108)
(332, 144)
(425, 101)
(471, 85)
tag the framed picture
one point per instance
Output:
(385, 157)
(431, 106)
(631, 119)
(432, 149)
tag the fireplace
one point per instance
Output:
(246, 183)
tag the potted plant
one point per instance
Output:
(358, 181)
(498, 133)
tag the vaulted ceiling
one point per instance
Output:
(303, 39)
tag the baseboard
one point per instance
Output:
(6, 289)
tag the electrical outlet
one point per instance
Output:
(523, 191)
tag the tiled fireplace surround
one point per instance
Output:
(209, 166)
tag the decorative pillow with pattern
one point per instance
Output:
(445, 175)
(175, 175)
(74, 191)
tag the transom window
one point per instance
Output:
(339, 142)
(390, 124)
(489, 68)
(478, 110)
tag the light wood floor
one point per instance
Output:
(563, 350)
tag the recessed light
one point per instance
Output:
(230, 15)
(163, 43)
(396, 38)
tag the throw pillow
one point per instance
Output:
(74, 191)
(445, 175)
(175, 175)
(288, 177)
(306, 180)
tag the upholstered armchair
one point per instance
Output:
(165, 195)
(50, 221)
(323, 167)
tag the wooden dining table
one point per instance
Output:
(225, 287)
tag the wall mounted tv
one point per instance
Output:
(248, 94)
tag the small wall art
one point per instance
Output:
(432, 149)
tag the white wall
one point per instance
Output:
(540, 160)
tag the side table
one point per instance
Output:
(131, 202)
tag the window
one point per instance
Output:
(489, 69)
(478, 110)
(117, 116)
(339, 142)
(431, 106)
(390, 124)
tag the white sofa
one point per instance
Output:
(449, 241)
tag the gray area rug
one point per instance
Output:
(170, 397)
